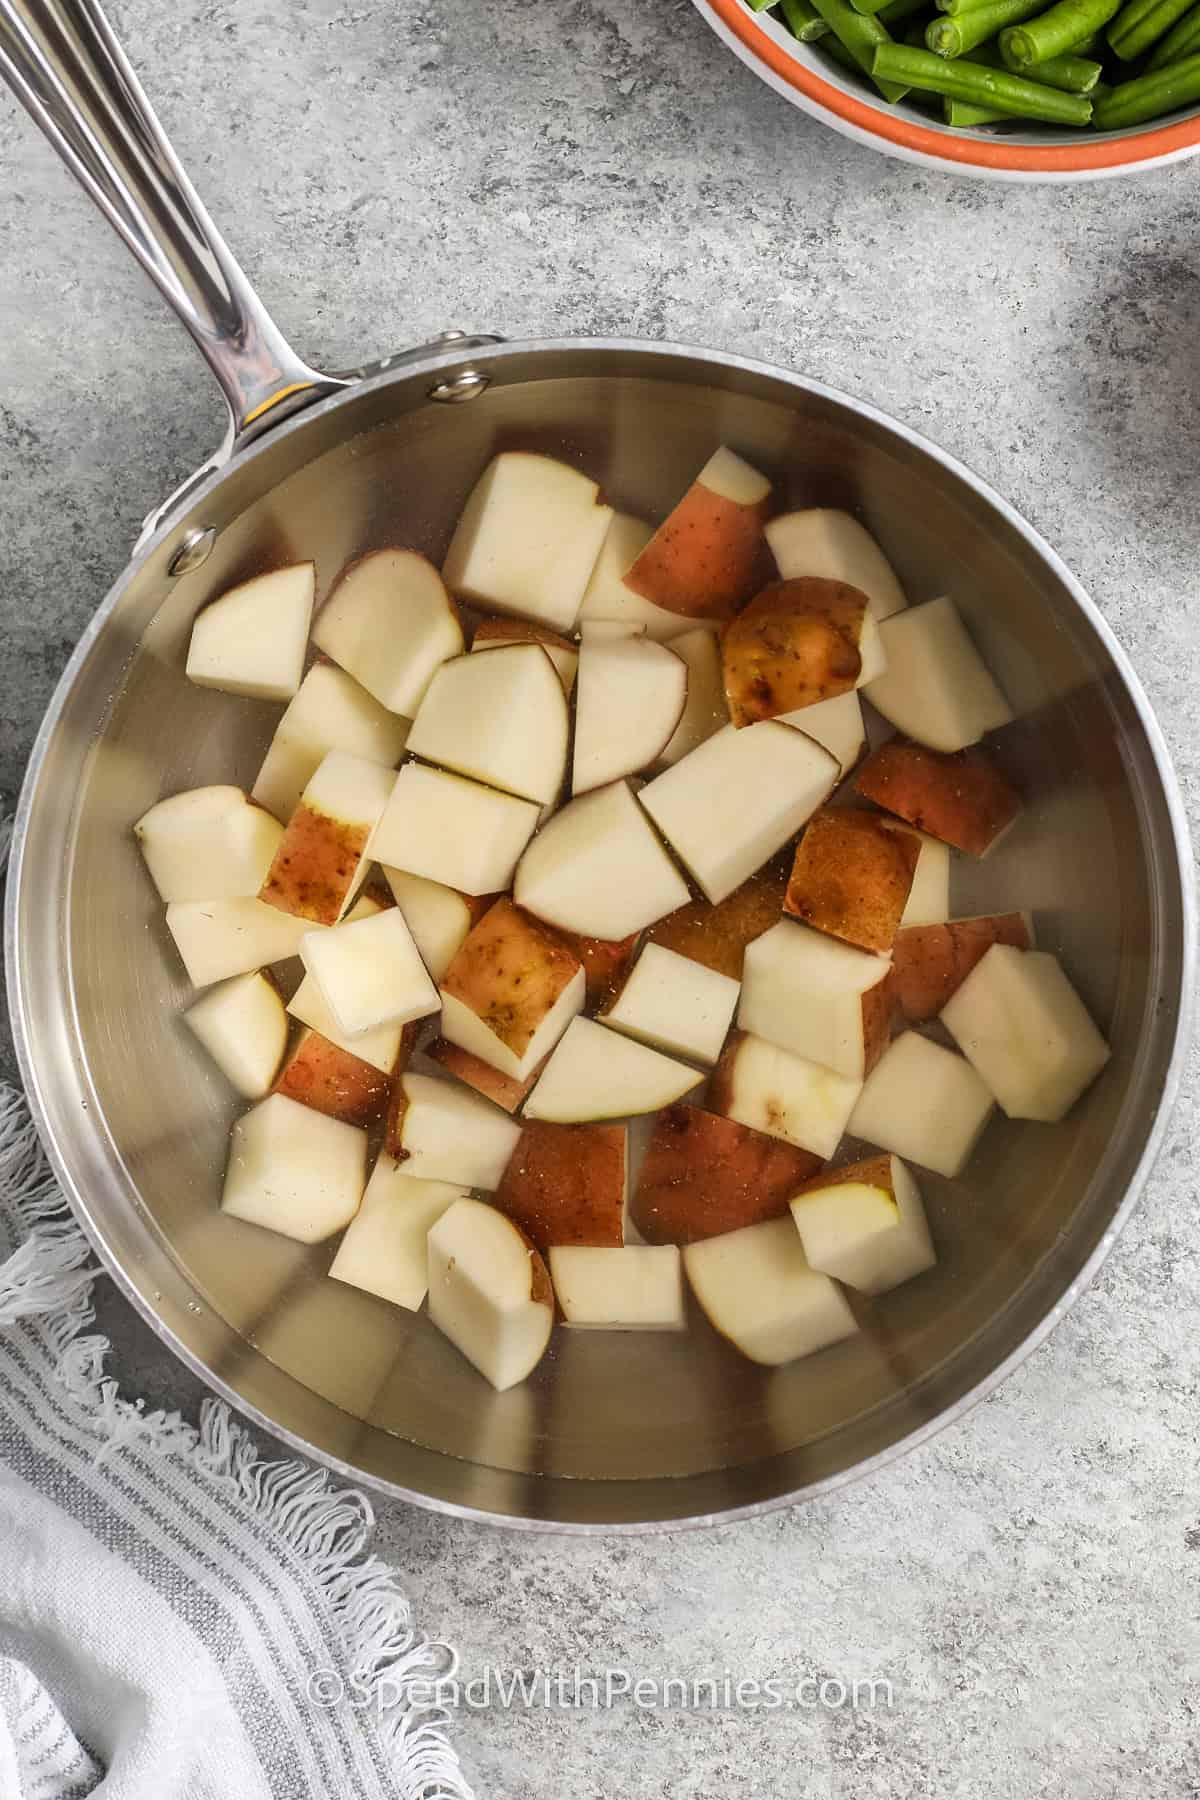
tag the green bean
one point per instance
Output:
(1182, 40)
(1093, 46)
(961, 112)
(759, 5)
(1012, 95)
(868, 6)
(861, 34)
(1073, 74)
(1141, 23)
(803, 21)
(838, 53)
(1059, 31)
(956, 8)
(956, 36)
(1148, 96)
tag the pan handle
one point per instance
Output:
(64, 64)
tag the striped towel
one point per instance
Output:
(174, 1612)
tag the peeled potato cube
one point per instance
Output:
(928, 900)
(731, 804)
(923, 1103)
(632, 1288)
(528, 539)
(836, 724)
(294, 1171)
(501, 719)
(717, 936)
(597, 868)
(931, 962)
(439, 917)
(757, 1290)
(253, 639)
(243, 1026)
(851, 877)
(219, 938)
(209, 843)
(962, 799)
(511, 991)
(330, 712)
(817, 997)
(386, 1047)
(1024, 1029)
(703, 559)
(787, 1096)
(629, 700)
(704, 1175)
(489, 1292)
(441, 1132)
(390, 623)
(370, 972)
(865, 1225)
(936, 687)
(595, 1073)
(385, 1251)
(705, 711)
(566, 1184)
(491, 634)
(675, 1005)
(482, 1076)
(321, 856)
(823, 541)
(320, 1074)
(796, 644)
(452, 830)
(608, 598)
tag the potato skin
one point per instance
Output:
(705, 1175)
(605, 964)
(872, 1171)
(851, 876)
(493, 1084)
(877, 1022)
(717, 935)
(333, 1081)
(703, 560)
(963, 798)
(929, 962)
(565, 1184)
(520, 631)
(510, 969)
(315, 866)
(795, 644)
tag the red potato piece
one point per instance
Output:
(963, 799)
(490, 1082)
(703, 560)
(565, 1184)
(796, 644)
(320, 856)
(510, 972)
(717, 935)
(852, 875)
(605, 963)
(704, 1175)
(332, 1081)
(930, 962)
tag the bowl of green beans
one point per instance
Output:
(1013, 89)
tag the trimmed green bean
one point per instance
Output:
(960, 34)
(1073, 74)
(1013, 95)
(956, 8)
(1148, 96)
(1059, 31)
(861, 34)
(1182, 40)
(838, 53)
(1141, 23)
(803, 21)
(961, 112)
(1093, 46)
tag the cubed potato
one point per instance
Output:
(370, 972)
(390, 623)
(704, 1175)
(452, 830)
(490, 634)
(209, 843)
(930, 962)
(243, 1026)
(823, 541)
(628, 704)
(631, 1288)
(865, 1224)
(330, 712)
(565, 1184)
(790, 1097)
(511, 991)
(595, 1073)
(1024, 1029)
(385, 1251)
(936, 688)
(607, 597)
(817, 997)
(729, 806)
(704, 711)
(220, 938)
(252, 640)
(439, 917)
(675, 1004)
(704, 559)
(756, 1288)
(836, 724)
(851, 876)
(928, 900)
(923, 1103)
(796, 644)
(439, 1131)
(528, 539)
(482, 1076)
(605, 961)
(502, 719)
(322, 1075)
(294, 1171)
(386, 1047)
(597, 867)
(963, 799)
(322, 855)
(717, 936)
(489, 1292)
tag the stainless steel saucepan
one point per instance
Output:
(611, 1433)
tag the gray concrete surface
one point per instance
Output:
(1028, 1581)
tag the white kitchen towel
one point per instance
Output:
(178, 1617)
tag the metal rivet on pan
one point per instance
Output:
(194, 549)
(468, 384)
